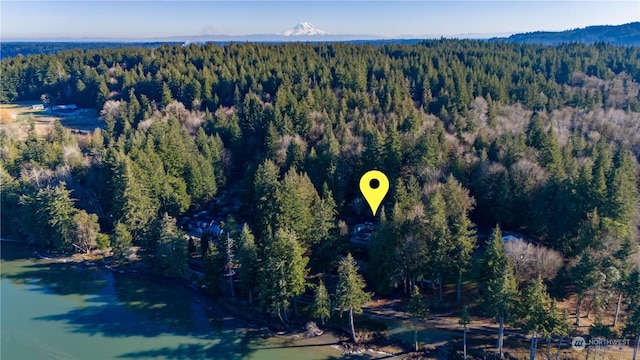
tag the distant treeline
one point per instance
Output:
(623, 35)
(12, 49)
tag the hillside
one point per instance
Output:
(626, 35)
(267, 143)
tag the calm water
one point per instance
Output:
(53, 310)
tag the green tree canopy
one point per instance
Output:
(350, 294)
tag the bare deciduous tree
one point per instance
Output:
(110, 110)
(530, 261)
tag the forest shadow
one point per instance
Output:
(138, 316)
(128, 306)
(13, 251)
(224, 349)
(237, 349)
(131, 306)
(116, 321)
(59, 278)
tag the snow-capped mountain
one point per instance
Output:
(304, 29)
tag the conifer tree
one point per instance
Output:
(51, 216)
(549, 155)
(623, 190)
(418, 311)
(103, 94)
(296, 203)
(585, 276)
(324, 230)
(321, 306)
(534, 312)
(167, 98)
(385, 241)
(499, 289)
(632, 323)
(392, 152)
(623, 265)
(213, 263)
(248, 261)
(171, 248)
(266, 193)
(283, 272)
(463, 237)
(439, 244)
(558, 324)
(121, 241)
(271, 141)
(350, 294)
(131, 203)
(465, 319)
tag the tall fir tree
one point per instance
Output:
(438, 235)
(283, 272)
(266, 192)
(170, 257)
(499, 289)
(463, 236)
(534, 312)
(321, 306)
(248, 261)
(350, 294)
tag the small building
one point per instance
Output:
(65, 108)
(510, 238)
(362, 234)
(367, 227)
(213, 229)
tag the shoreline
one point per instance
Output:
(246, 318)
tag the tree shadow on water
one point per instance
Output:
(131, 306)
(112, 320)
(13, 251)
(226, 348)
(60, 278)
(119, 305)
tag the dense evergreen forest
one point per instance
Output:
(473, 136)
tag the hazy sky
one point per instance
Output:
(138, 19)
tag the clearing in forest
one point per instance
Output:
(15, 119)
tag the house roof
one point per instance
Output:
(508, 238)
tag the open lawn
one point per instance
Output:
(15, 119)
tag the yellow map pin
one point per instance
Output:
(374, 185)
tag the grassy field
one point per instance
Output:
(16, 117)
